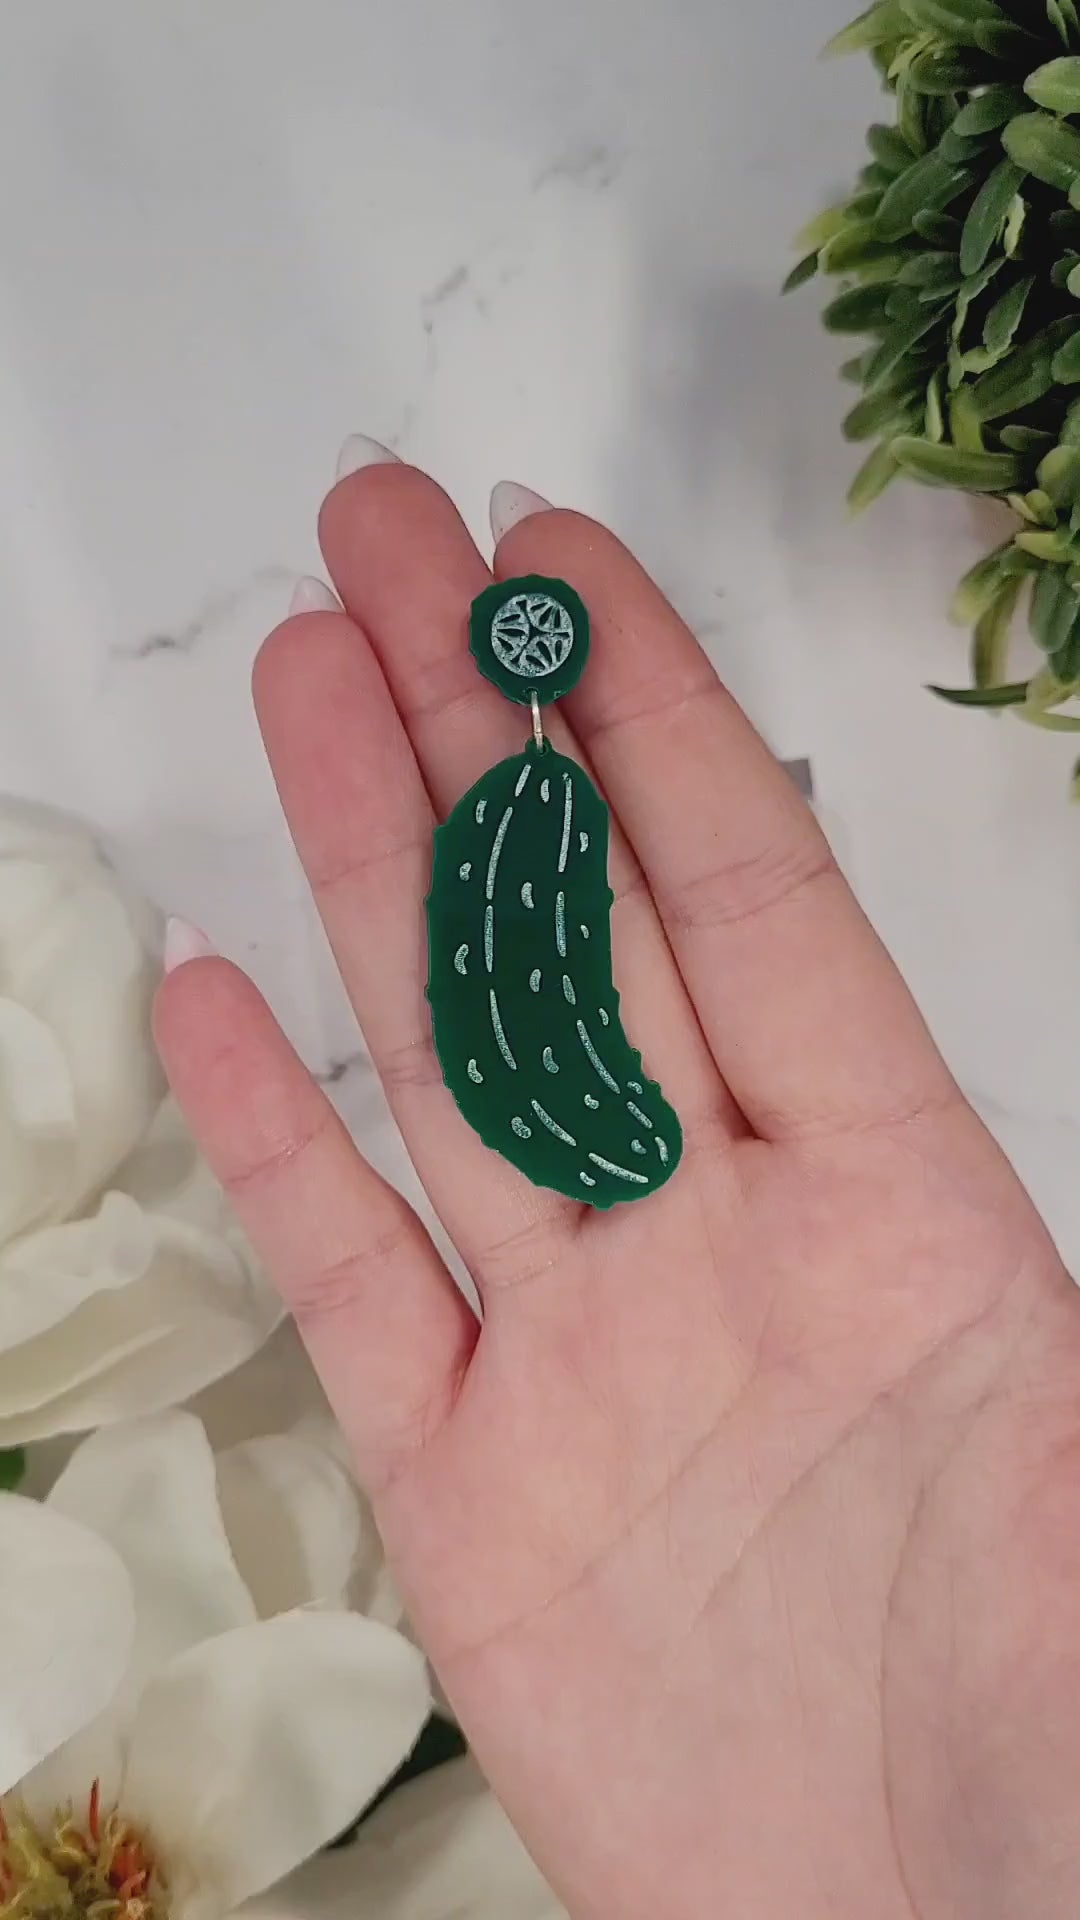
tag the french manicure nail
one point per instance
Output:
(359, 452)
(511, 503)
(184, 942)
(313, 596)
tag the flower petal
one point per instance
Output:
(38, 1133)
(80, 953)
(139, 1306)
(440, 1849)
(294, 1522)
(271, 1393)
(252, 1751)
(66, 1622)
(149, 1488)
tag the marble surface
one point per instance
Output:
(540, 242)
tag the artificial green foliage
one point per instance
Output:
(958, 258)
(12, 1468)
(524, 1012)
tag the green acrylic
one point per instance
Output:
(530, 636)
(525, 1015)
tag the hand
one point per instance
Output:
(744, 1533)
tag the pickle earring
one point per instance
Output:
(524, 1011)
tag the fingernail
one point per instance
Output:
(184, 942)
(511, 503)
(359, 452)
(313, 596)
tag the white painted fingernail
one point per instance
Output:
(511, 503)
(184, 942)
(313, 596)
(359, 452)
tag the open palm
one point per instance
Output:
(744, 1533)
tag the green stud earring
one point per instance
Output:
(524, 1011)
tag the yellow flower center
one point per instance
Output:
(101, 1869)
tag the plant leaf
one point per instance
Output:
(1025, 376)
(967, 433)
(935, 271)
(887, 411)
(1012, 695)
(988, 111)
(980, 587)
(1056, 86)
(12, 1467)
(875, 474)
(822, 228)
(1059, 475)
(1045, 147)
(929, 184)
(989, 211)
(1057, 20)
(1066, 366)
(943, 69)
(1014, 226)
(799, 275)
(1053, 722)
(880, 23)
(856, 247)
(899, 340)
(938, 229)
(1025, 439)
(1053, 608)
(860, 310)
(953, 19)
(970, 291)
(934, 418)
(1065, 659)
(1052, 547)
(889, 148)
(990, 642)
(952, 467)
(1004, 317)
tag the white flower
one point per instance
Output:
(242, 1737)
(124, 1286)
(440, 1849)
(66, 1613)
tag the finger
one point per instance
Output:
(407, 570)
(388, 1332)
(808, 1020)
(362, 821)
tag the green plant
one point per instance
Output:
(960, 256)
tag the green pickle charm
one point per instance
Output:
(524, 1012)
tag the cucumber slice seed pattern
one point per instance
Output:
(524, 1010)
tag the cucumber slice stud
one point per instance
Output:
(524, 1009)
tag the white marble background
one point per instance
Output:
(523, 240)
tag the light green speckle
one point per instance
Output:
(461, 956)
(527, 894)
(535, 978)
(550, 1063)
(464, 870)
(475, 1074)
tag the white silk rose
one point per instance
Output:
(258, 1712)
(124, 1285)
(439, 1849)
